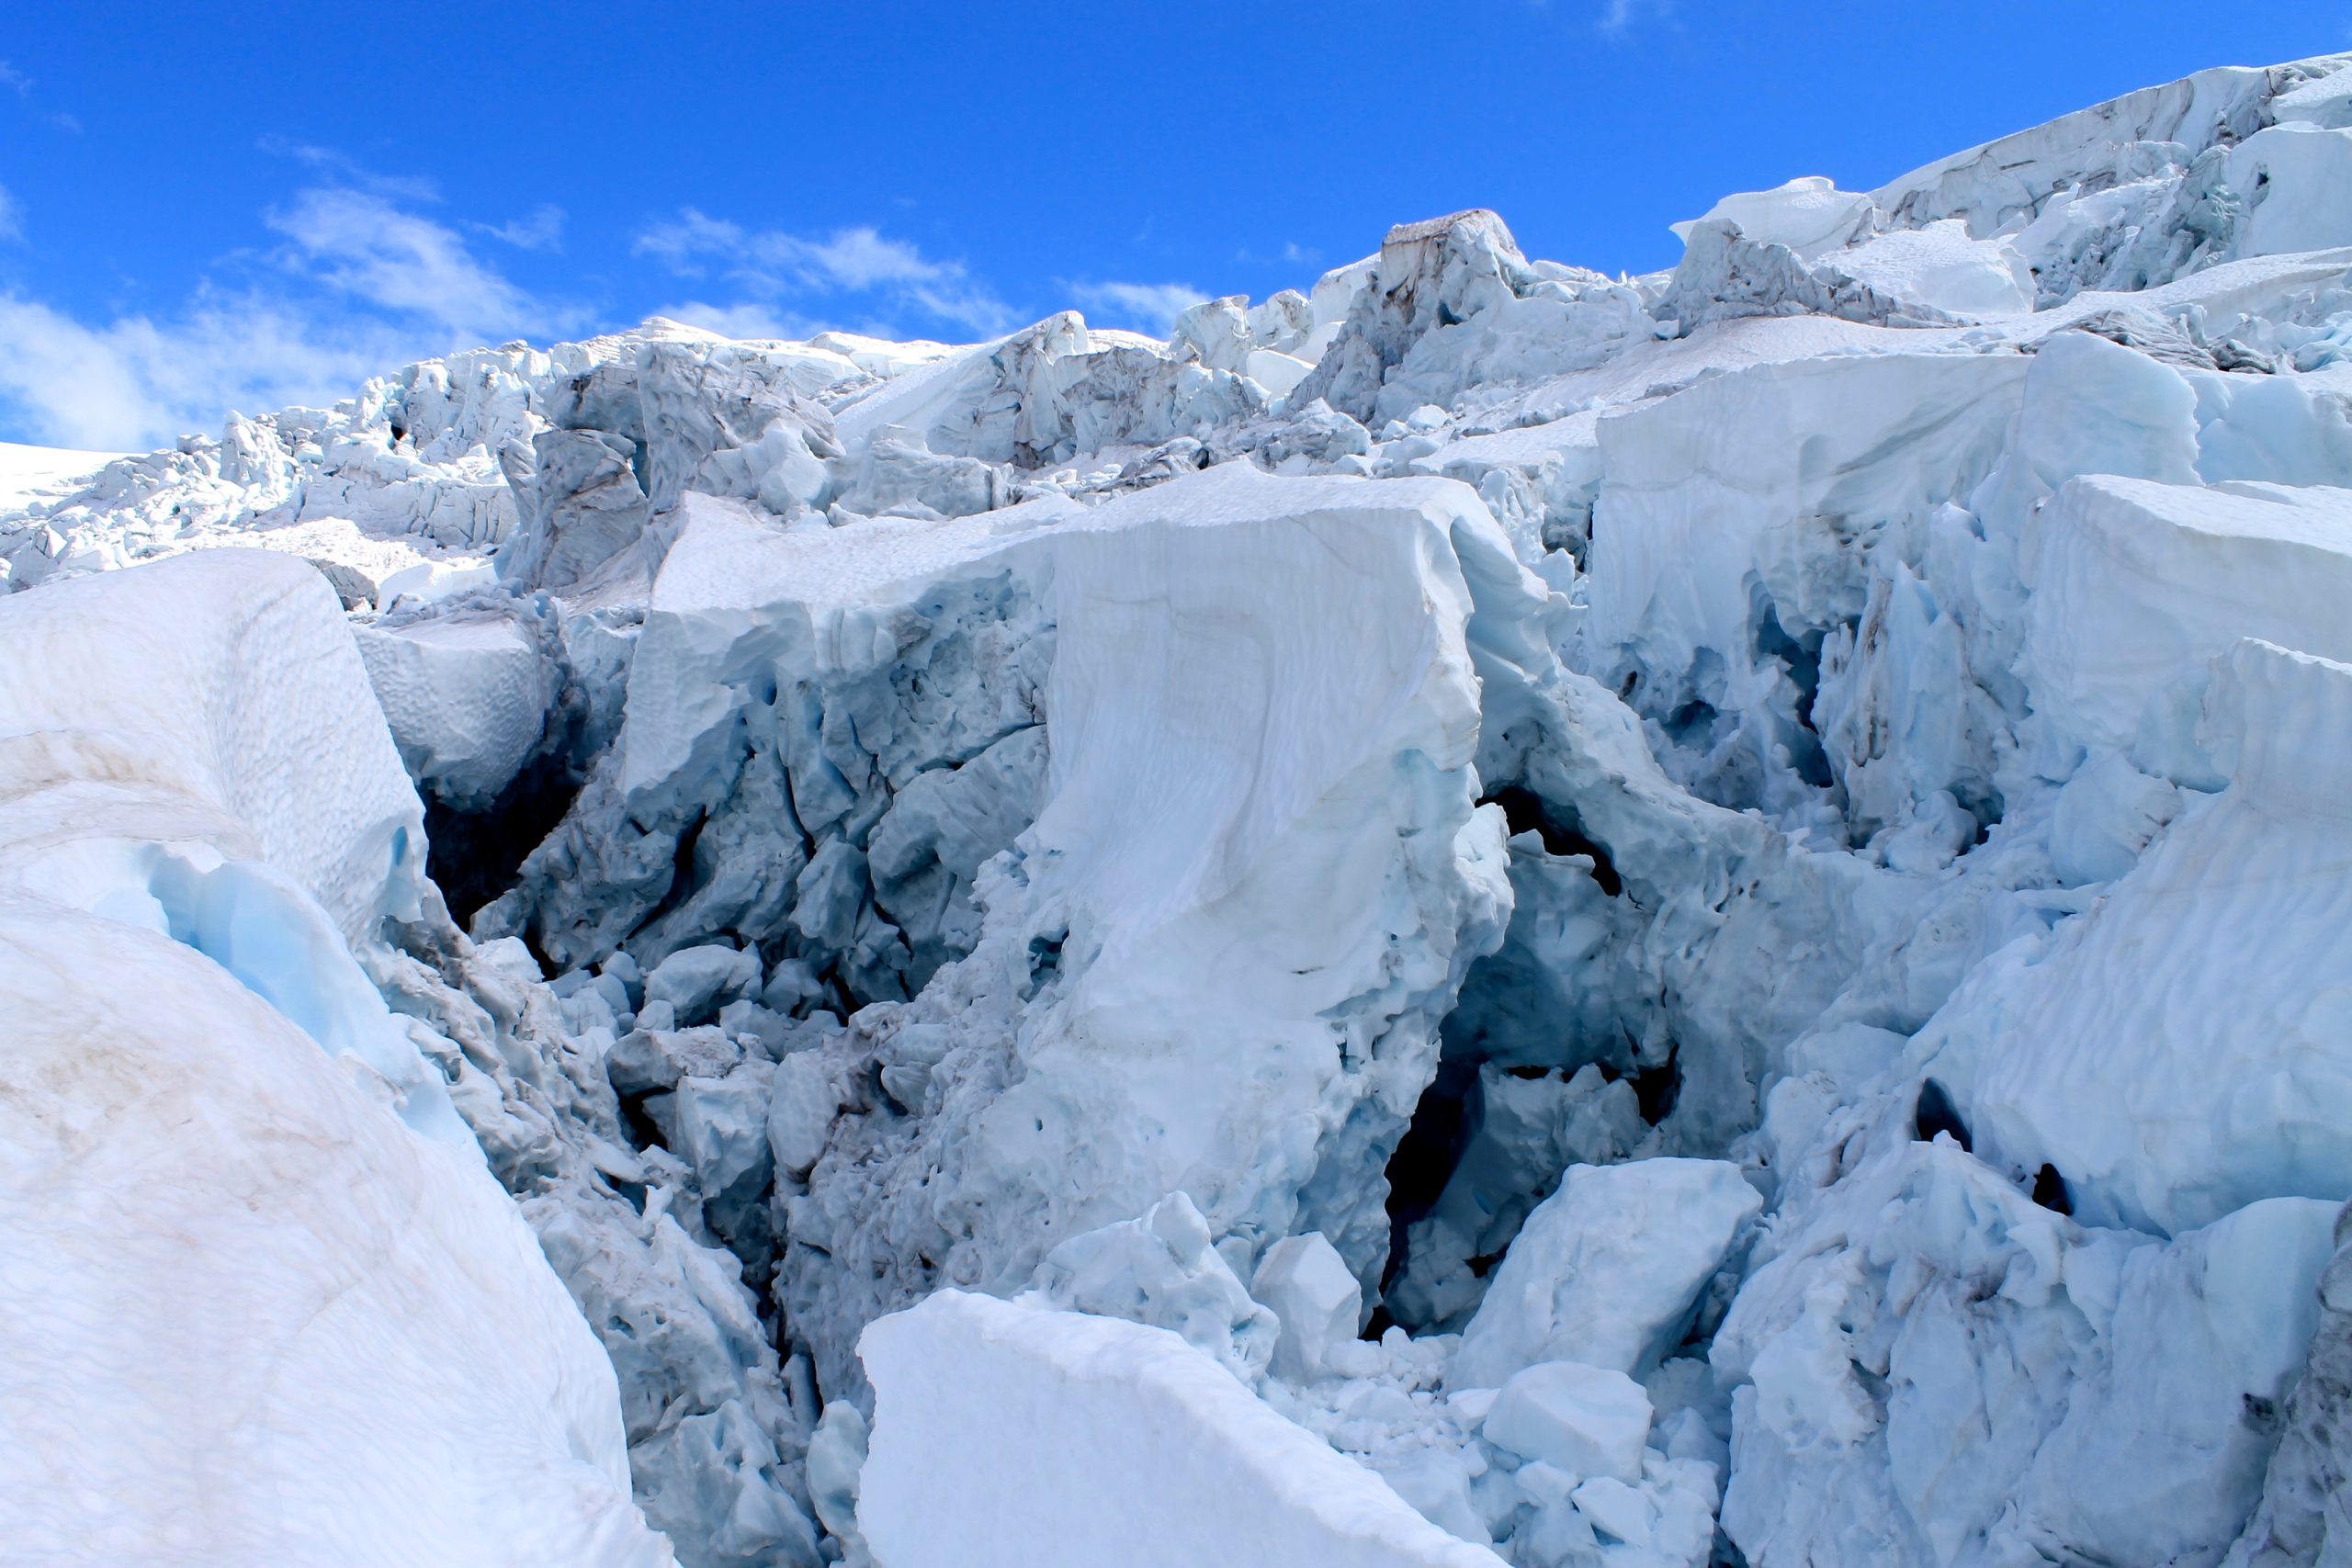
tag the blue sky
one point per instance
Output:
(211, 206)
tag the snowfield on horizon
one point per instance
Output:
(1477, 914)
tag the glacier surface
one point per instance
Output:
(1475, 914)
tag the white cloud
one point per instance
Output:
(738, 321)
(1147, 306)
(357, 287)
(771, 265)
(541, 230)
(1616, 16)
(359, 243)
(135, 383)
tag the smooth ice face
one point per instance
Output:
(218, 700)
(2138, 585)
(1109, 1442)
(467, 698)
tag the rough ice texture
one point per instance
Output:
(1433, 795)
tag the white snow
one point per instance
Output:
(29, 472)
(308, 1329)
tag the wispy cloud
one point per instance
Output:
(541, 230)
(360, 244)
(355, 285)
(14, 81)
(740, 321)
(871, 269)
(338, 168)
(1292, 254)
(1146, 307)
(1617, 15)
(134, 383)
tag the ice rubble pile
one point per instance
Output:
(1484, 914)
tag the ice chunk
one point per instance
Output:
(1240, 935)
(1941, 268)
(1607, 1270)
(1931, 1363)
(697, 981)
(1004, 1435)
(1160, 1270)
(1308, 1285)
(1585, 1420)
(1809, 215)
(2104, 817)
(467, 697)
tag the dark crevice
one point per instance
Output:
(474, 856)
(681, 871)
(644, 1133)
(1801, 658)
(1427, 1154)
(1936, 1113)
(1563, 835)
(1656, 1088)
(2049, 1190)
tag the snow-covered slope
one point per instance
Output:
(1477, 913)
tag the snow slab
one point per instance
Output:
(1011, 1437)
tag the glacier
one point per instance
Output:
(1480, 913)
